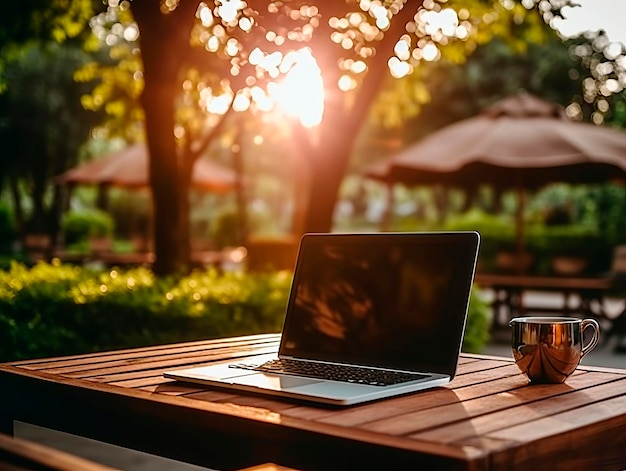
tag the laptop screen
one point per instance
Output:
(394, 300)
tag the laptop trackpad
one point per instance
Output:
(274, 382)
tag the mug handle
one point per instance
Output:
(594, 339)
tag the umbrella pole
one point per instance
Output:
(237, 155)
(389, 204)
(519, 224)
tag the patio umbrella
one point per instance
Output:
(129, 168)
(519, 142)
(521, 139)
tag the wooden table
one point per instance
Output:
(488, 418)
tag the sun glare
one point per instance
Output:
(301, 93)
(298, 90)
(432, 27)
(229, 10)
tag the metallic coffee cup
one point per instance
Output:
(548, 349)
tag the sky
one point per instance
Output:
(592, 15)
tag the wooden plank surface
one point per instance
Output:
(486, 417)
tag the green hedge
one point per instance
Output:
(498, 233)
(79, 226)
(54, 309)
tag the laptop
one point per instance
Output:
(369, 316)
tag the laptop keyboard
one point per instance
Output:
(350, 374)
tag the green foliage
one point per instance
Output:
(512, 40)
(43, 124)
(605, 205)
(78, 226)
(46, 19)
(54, 309)
(498, 234)
(7, 229)
(227, 230)
(579, 240)
(567, 239)
(131, 212)
(477, 327)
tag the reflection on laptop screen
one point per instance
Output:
(391, 301)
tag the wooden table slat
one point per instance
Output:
(105, 374)
(467, 368)
(413, 421)
(483, 376)
(520, 399)
(139, 350)
(193, 357)
(503, 418)
(564, 422)
(147, 383)
(86, 364)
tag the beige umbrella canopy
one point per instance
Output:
(129, 168)
(521, 142)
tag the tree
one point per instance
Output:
(348, 43)
(459, 91)
(42, 128)
(602, 96)
(351, 42)
(42, 123)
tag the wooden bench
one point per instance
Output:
(582, 296)
(17, 454)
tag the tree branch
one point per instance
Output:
(374, 78)
(194, 152)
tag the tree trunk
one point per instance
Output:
(341, 125)
(16, 198)
(185, 167)
(168, 39)
(327, 167)
(38, 188)
(164, 181)
(158, 103)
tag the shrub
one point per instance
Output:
(568, 239)
(54, 309)
(227, 230)
(7, 229)
(478, 320)
(497, 233)
(78, 226)
(573, 239)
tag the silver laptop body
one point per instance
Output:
(390, 305)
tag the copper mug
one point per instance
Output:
(548, 349)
